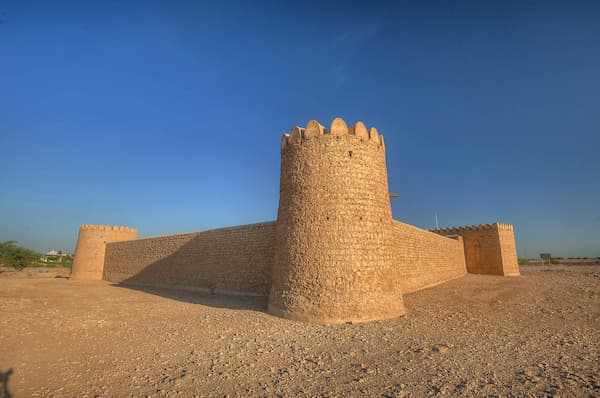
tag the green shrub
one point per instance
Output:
(17, 256)
(554, 261)
(523, 261)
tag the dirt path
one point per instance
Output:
(534, 335)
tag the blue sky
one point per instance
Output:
(167, 116)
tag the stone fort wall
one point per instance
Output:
(489, 248)
(426, 259)
(334, 255)
(239, 260)
(88, 263)
(226, 260)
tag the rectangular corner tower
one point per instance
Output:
(489, 248)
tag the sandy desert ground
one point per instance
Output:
(534, 335)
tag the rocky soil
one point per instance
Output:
(534, 335)
(34, 272)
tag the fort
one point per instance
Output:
(335, 254)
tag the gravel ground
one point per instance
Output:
(534, 335)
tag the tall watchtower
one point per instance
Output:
(333, 261)
(88, 263)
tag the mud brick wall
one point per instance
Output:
(227, 260)
(426, 259)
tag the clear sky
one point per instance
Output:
(167, 116)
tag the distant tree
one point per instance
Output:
(6, 246)
(17, 256)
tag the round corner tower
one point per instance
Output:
(333, 257)
(88, 263)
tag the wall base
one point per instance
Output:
(279, 312)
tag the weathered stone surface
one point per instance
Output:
(295, 135)
(88, 263)
(338, 127)
(360, 130)
(374, 135)
(489, 248)
(313, 129)
(425, 260)
(284, 141)
(333, 253)
(234, 260)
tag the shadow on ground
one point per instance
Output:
(217, 300)
(200, 267)
(4, 376)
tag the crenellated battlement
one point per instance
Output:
(91, 227)
(480, 227)
(338, 128)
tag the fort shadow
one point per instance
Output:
(222, 268)
(4, 377)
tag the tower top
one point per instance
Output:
(106, 228)
(338, 128)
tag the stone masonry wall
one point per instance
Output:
(226, 260)
(508, 247)
(333, 257)
(489, 248)
(426, 259)
(88, 263)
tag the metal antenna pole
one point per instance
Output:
(436, 221)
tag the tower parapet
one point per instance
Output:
(333, 261)
(88, 263)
